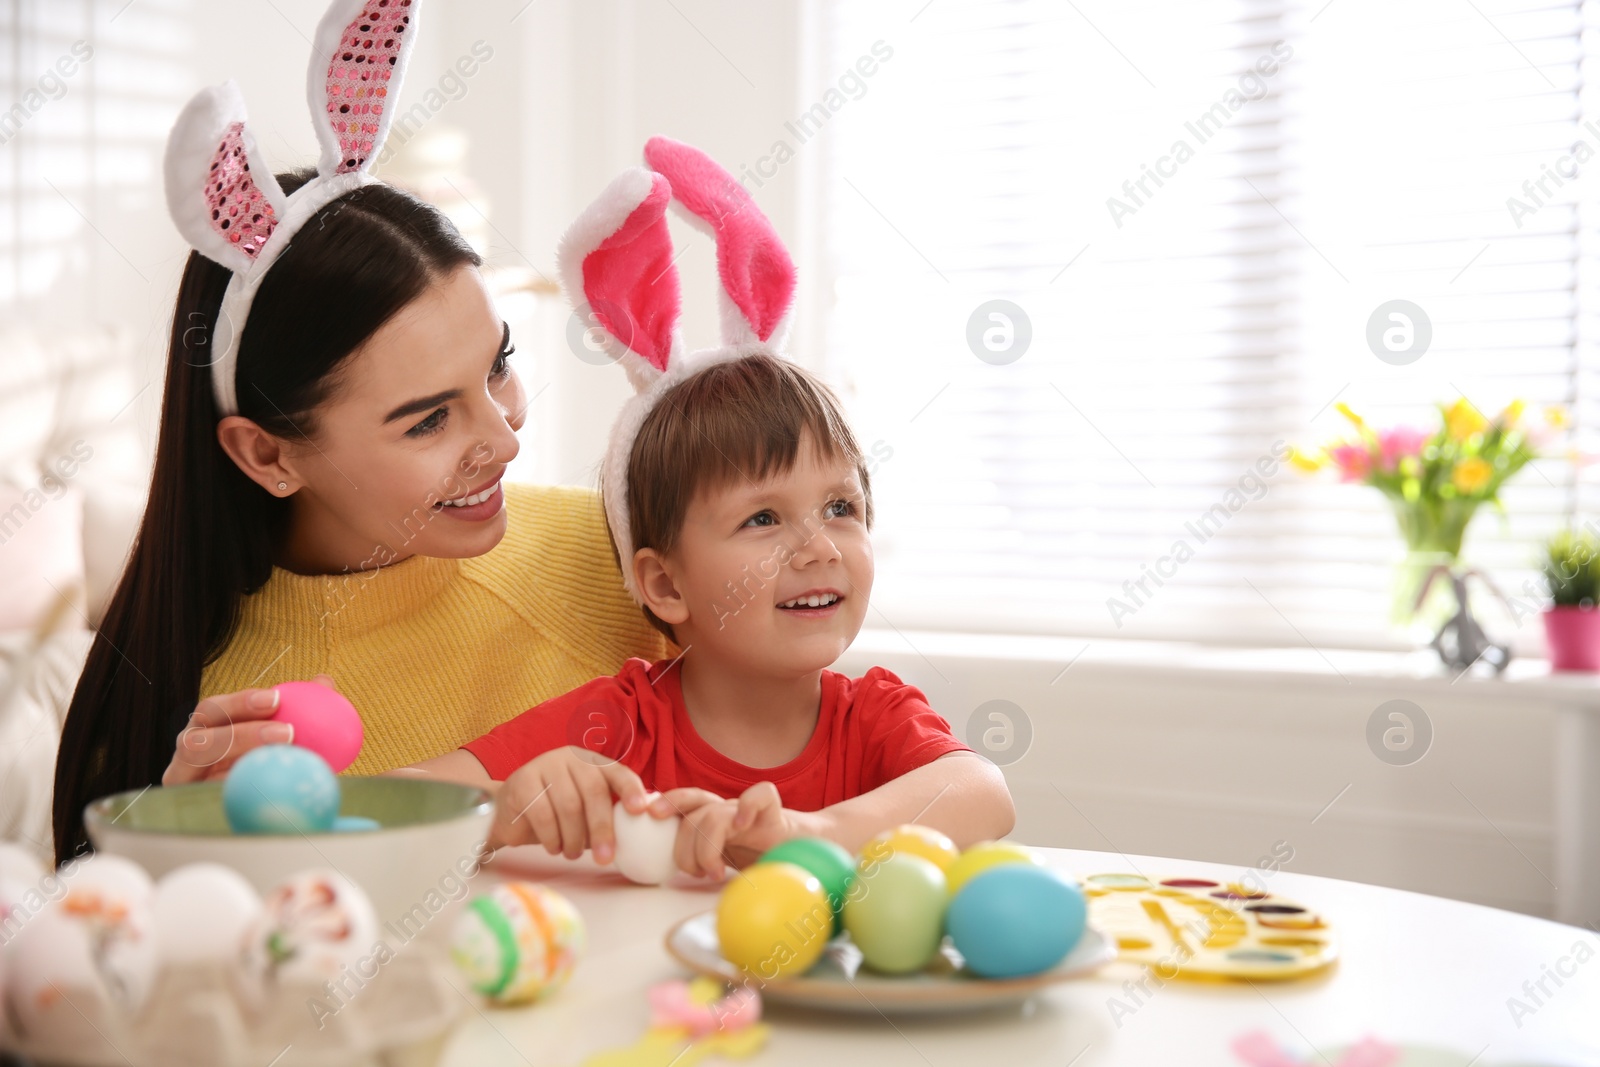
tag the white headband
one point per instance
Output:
(617, 266)
(224, 198)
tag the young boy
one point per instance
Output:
(740, 506)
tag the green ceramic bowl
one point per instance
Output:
(428, 845)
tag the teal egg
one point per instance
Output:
(281, 789)
(1016, 920)
(830, 863)
(895, 914)
(350, 824)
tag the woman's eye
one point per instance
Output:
(762, 518)
(502, 363)
(430, 425)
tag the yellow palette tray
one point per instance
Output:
(1198, 928)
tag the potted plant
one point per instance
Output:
(1571, 568)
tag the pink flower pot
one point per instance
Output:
(1573, 634)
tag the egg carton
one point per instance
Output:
(208, 1016)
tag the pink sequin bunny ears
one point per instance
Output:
(616, 264)
(223, 196)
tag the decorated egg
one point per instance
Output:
(896, 914)
(981, 857)
(202, 913)
(829, 863)
(773, 919)
(281, 789)
(323, 720)
(645, 843)
(1016, 919)
(313, 925)
(911, 839)
(517, 942)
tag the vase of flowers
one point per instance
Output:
(1571, 567)
(1434, 480)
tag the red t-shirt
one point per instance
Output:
(870, 730)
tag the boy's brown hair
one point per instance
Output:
(740, 418)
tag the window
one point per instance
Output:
(1197, 205)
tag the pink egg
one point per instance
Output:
(324, 721)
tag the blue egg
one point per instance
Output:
(350, 824)
(281, 789)
(1016, 920)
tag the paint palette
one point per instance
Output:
(1203, 929)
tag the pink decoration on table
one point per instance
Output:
(1258, 1049)
(672, 1005)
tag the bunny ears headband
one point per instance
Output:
(616, 262)
(225, 200)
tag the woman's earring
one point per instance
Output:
(282, 486)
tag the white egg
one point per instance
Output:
(202, 912)
(644, 844)
(82, 954)
(313, 925)
(110, 877)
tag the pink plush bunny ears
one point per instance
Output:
(224, 198)
(617, 265)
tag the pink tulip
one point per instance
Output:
(1353, 461)
(1398, 442)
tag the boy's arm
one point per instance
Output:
(458, 766)
(960, 794)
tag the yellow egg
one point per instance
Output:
(912, 840)
(981, 857)
(773, 920)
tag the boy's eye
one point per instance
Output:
(762, 518)
(430, 425)
(841, 509)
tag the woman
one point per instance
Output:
(348, 523)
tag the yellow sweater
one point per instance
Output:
(435, 652)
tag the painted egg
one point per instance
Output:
(281, 789)
(352, 824)
(914, 840)
(324, 721)
(517, 942)
(313, 926)
(1016, 919)
(773, 919)
(644, 844)
(896, 914)
(981, 857)
(202, 913)
(828, 862)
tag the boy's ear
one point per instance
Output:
(657, 588)
(258, 453)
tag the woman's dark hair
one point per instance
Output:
(209, 534)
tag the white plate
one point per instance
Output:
(838, 982)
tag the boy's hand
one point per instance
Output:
(562, 800)
(717, 832)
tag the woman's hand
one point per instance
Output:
(223, 728)
(716, 832)
(562, 800)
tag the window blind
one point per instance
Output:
(1197, 206)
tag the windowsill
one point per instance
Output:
(1395, 673)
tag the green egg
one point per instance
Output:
(829, 863)
(895, 914)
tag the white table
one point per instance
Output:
(1415, 970)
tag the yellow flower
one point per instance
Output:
(1472, 474)
(1308, 462)
(1344, 409)
(1463, 420)
(1557, 417)
(1512, 413)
